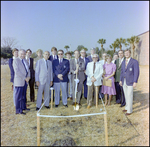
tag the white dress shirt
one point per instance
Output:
(54, 56)
(27, 60)
(60, 60)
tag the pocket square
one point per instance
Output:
(130, 69)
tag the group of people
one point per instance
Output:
(61, 74)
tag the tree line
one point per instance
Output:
(8, 44)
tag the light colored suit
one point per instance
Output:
(80, 76)
(93, 86)
(20, 72)
(97, 73)
(21, 69)
(44, 75)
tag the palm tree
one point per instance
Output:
(66, 47)
(133, 40)
(114, 46)
(101, 41)
(120, 41)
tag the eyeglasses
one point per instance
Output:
(60, 54)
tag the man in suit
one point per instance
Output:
(61, 69)
(70, 76)
(39, 53)
(86, 61)
(44, 79)
(52, 57)
(21, 78)
(77, 66)
(93, 51)
(15, 55)
(54, 54)
(120, 98)
(115, 57)
(128, 79)
(32, 74)
(94, 74)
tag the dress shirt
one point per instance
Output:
(24, 64)
(83, 58)
(121, 60)
(77, 60)
(128, 60)
(54, 57)
(45, 62)
(27, 60)
(60, 60)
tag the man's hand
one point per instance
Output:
(27, 79)
(134, 85)
(51, 83)
(60, 76)
(76, 71)
(120, 83)
(93, 79)
(37, 83)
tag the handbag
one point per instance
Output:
(107, 83)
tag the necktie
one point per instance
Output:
(126, 62)
(119, 62)
(54, 57)
(24, 67)
(46, 64)
(94, 67)
(28, 60)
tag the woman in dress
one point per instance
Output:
(109, 72)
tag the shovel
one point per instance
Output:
(76, 107)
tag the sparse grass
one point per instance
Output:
(132, 130)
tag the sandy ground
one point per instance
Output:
(132, 130)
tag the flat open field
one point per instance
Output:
(132, 130)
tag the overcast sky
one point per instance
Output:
(44, 24)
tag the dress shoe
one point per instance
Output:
(73, 103)
(27, 109)
(47, 107)
(122, 105)
(70, 98)
(56, 106)
(85, 98)
(127, 113)
(124, 110)
(88, 107)
(66, 105)
(23, 113)
(37, 108)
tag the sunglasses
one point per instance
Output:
(60, 54)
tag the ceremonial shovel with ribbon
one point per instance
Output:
(76, 107)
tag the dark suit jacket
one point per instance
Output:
(32, 72)
(118, 70)
(90, 58)
(51, 57)
(131, 73)
(62, 68)
(12, 73)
